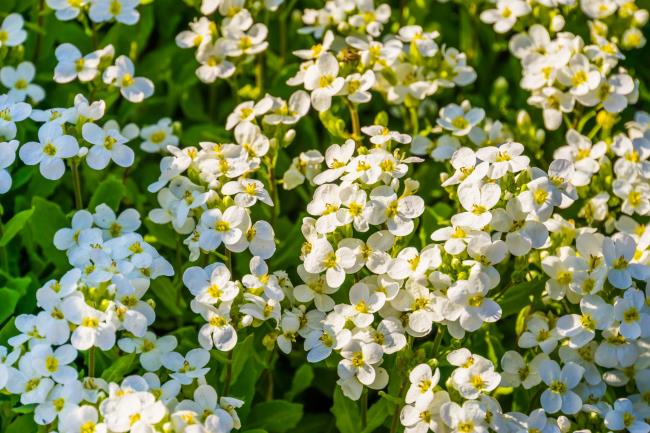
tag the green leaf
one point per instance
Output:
(256, 430)
(15, 225)
(301, 381)
(167, 294)
(120, 368)
(46, 220)
(519, 296)
(22, 424)
(275, 416)
(377, 414)
(346, 413)
(24, 409)
(10, 295)
(241, 353)
(111, 191)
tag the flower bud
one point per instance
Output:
(557, 23)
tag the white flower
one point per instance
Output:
(323, 258)
(210, 285)
(122, 11)
(49, 151)
(73, 64)
(460, 119)
(212, 58)
(397, 212)
(157, 137)
(623, 416)
(630, 311)
(199, 34)
(93, 328)
(7, 157)
(619, 251)
(54, 363)
(134, 89)
(11, 31)
(468, 418)
(358, 360)
(107, 146)
(150, 348)
(227, 227)
(477, 202)
(242, 37)
(247, 112)
(507, 158)
(10, 113)
(472, 307)
(559, 395)
(357, 87)
(19, 82)
(579, 75)
(505, 15)
(580, 329)
(423, 381)
(247, 192)
(314, 288)
(186, 369)
(323, 81)
(81, 418)
(381, 135)
(517, 372)
(65, 10)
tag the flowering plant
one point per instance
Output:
(285, 216)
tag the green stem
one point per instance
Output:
(364, 408)
(354, 117)
(4, 261)
(269, 372)
(415, 122)
(438, 339)
(226, 382)
(91, 362)
(39, 35)
(259, 74)
(76, 184)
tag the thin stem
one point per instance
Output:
(273, 184)
(228, 378)
(394, 423)
(415, 122)
(354, 117)
(39, 35)
(364, 408)
(438, 339)
(76, 184)
(4, 261)
(226, 382)
(259, 74)
(91, 362)
(269, 372)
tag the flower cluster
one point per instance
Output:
(221, 49)
(462, 266)
(405, 67)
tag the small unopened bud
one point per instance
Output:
(523, 119)
(557, 23)
(605, 119)
(246, 321)
(641, 17)
(563, 423)
(289, 136)
(83, 151)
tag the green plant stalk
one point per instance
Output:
(76, 184)
(354, 118)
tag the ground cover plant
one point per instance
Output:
(291, 216)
